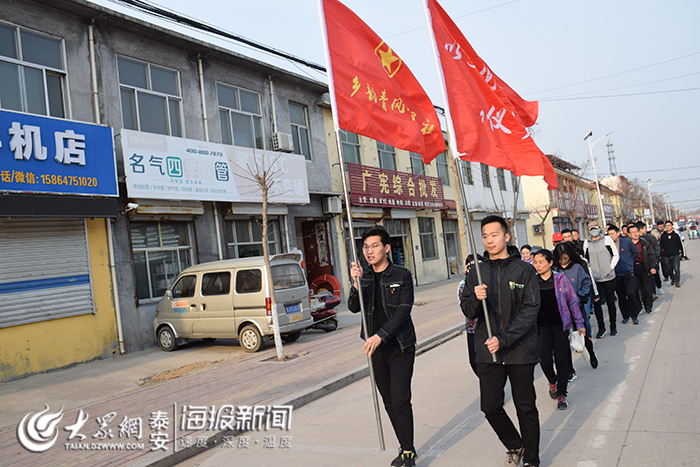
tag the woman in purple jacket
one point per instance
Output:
(559, 306)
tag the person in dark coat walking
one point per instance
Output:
(512, 294)
(671, 251)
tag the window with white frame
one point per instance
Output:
(417, 165)
(501, 174)
(426, 233)
(485, 176)
(467, 172)
(161, 251)
(240, 117)
(150, 97)
(299, 119)
(350, 143)
(387, 156)
(244, 238)
(443, 169)
(32, 72)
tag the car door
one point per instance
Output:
(216, 317)
(249, 298)
(184, 313)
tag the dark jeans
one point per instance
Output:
(472, 351)
(644, 285)
(672, 268)
(626, 288)
(609, 289)
(393, 370)
(553, 339)
(492, 381)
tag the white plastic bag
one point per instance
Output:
(576, 341)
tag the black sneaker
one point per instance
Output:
(562, 403)
(601, 334)
(408, 459)
(513, 457)
(613, 332)
(398, 460)
(625, 321)
(572, 376)
(636, 321)
(553, 390)
(649, 311)
(594, 359)
(678, 285)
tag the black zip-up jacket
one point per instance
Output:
(650, 259)
(513, 300)
(670, 244)
(397, 297)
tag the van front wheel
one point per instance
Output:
(167, 339)
(250, 339)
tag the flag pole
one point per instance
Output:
(460, 175)
(348, 210)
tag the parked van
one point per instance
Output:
(229, 299)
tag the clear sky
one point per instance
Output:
(630, 67)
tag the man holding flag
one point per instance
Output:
(488, 123)
(373, 93)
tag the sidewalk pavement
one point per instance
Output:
(638, 408)
(203, 375)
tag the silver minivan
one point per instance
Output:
(229, 298)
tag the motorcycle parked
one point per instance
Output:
(324, 316)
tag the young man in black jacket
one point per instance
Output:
(513, 300)
(387, 293)
(644, 267)
(671, 251)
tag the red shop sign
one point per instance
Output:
(372, 186)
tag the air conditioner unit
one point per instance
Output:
(537, 229)
(332, 205)
(282, 142)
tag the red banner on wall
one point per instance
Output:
(372, 186)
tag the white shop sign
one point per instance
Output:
(166, 167)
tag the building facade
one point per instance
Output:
(188, 123)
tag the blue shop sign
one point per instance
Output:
(55, 156)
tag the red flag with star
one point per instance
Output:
(375, 93)
(489, 117)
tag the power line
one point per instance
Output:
(618, 74)
(170, 15)
(661, 170)
(626, 87)
(619, 95)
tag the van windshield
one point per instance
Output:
(287, 276)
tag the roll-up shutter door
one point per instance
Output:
(44, 270)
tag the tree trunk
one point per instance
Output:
(266, 255)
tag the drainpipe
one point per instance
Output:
(93, 72)
(272, 104)
(113, 272)
(206, 138)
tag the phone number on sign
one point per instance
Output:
(69, 180)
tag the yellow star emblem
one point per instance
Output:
(390, 62)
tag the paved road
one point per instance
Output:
(639, 408)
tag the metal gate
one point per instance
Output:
(44, 270)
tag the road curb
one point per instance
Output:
(300, 399)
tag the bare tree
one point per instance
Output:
(264, 177)
(541, 210)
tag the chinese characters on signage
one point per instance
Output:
(372, 186)
(47, 155)
(116, 432)
(165, 167)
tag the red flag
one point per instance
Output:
(376, 94)
(489, 118)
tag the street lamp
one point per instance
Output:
(595, 173)
(651, 202)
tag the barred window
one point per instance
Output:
(501, 179)
(485, 176)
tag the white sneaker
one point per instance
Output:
(660, 291)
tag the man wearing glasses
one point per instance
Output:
(387, 292)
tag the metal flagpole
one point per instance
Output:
(460, 175)
(348, 209)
